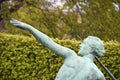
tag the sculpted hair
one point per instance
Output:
(96, 45)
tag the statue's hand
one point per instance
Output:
(19, 24)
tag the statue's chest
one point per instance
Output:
(70, 69)
(77, 69)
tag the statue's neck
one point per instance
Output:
(90, 56)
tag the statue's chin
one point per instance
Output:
(80, 53)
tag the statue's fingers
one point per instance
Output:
(16, 24)
(14, 20)
(11, 21)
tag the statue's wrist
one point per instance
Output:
(27, 27)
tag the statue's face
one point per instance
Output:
(84, 49)
(87, 49)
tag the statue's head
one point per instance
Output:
(91, 45)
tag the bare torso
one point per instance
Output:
(79, 68)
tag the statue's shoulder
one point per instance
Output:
(74, 61)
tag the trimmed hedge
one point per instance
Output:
(23, 58)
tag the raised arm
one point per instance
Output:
(44, 39)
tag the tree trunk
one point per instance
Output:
(2, 24)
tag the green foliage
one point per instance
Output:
(111, 58)
(99, 19)
(45, 21)
(23, 58)
(6, 8)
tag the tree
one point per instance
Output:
(99, 18)
(92, 17)
(6, 8)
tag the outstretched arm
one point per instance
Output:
(44, 39)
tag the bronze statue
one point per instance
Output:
(75, 67)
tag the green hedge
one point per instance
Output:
(23, 58)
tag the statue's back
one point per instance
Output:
(78, 68)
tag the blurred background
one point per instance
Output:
(23, 58)
(64, 19)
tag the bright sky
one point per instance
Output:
(57, 2)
